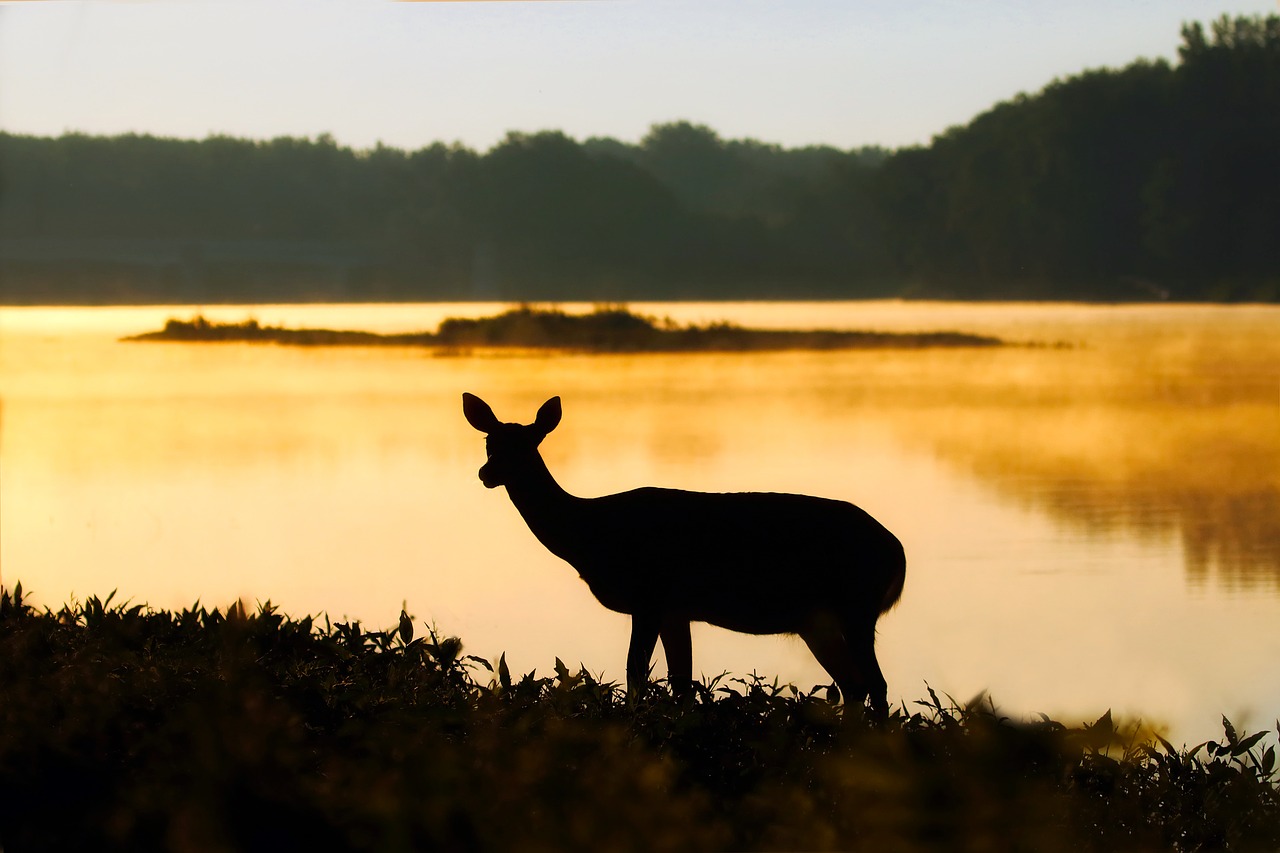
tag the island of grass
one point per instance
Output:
(608, 329)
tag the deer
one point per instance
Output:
(751, 562)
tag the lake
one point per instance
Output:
(1087, 527)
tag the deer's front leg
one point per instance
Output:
(644, 636)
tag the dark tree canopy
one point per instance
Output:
(1155, 180)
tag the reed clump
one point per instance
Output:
(125, 727)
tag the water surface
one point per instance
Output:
(1087, 527)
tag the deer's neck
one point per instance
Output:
(549, 510)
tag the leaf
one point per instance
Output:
(1230, 730)
(1245, 745)
(406, 628)
(1268, 760)
(1100, 735)
(1105, 722)
(450, 648)
(504, 674)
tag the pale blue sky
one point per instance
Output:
(837, 72)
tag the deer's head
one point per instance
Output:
(512, 448)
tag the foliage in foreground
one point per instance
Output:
(126, 727)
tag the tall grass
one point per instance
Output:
(131, 728)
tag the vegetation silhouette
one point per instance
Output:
(758, 563)
(128, 728)
(1146, 182)
(608, 328)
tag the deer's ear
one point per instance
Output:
(548, 416)
(478, 413)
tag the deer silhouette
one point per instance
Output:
(753, 562)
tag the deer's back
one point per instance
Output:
(750, 561)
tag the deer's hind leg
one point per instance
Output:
(860, 631)
(826, 638)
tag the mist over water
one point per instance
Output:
(1087, 527)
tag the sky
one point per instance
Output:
(846, 73)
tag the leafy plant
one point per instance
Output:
(127, 727)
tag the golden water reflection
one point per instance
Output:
(1107, 442)
(1156, 421)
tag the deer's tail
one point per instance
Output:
(896, 563)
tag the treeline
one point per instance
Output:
(1157, 180)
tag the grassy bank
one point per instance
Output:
(606, 329)
(130, 728)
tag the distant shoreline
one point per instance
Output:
(607, 329)
(8, 301)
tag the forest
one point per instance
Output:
(1154, 181)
